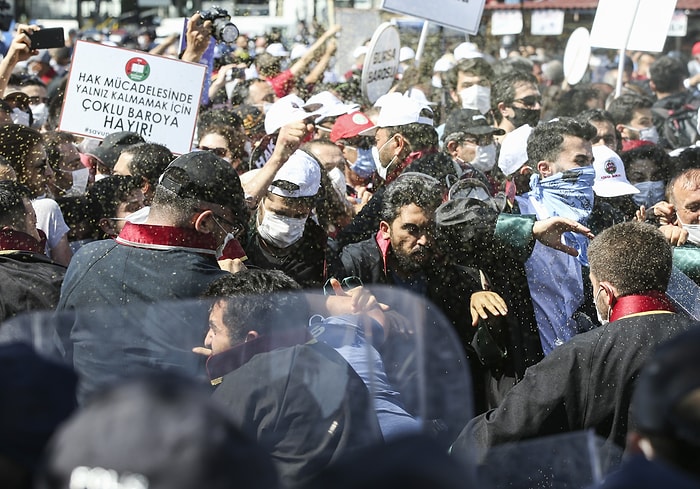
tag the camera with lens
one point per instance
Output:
(223, 29)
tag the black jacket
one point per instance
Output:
(585, 383)
(304, 404)
(28, 282)
(303, 261)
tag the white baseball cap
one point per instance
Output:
(610, 177)
(277, 49)
(287, 110)
(300, 176)
(399, 110)
(331, 106)
(513, 153)
(406, 53)
(467, 50)
(444, 64)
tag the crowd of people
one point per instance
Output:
(545, 225)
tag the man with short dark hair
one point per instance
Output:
(605, 126)
(469, 84)
(468, 139)
(667, 81)
(146, 162)
(30, 281)
(263, 359)
(588, 382)
(403, 252)
(516, 101)
(197, 202)
(560, 151)
(633, 119)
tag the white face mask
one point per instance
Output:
(436, 81)
(40, 113)
(476, 97)
(337, 178)
(383, 171)
(19, 116)
(603, 321)
(485, 158)
(80, 180)
(281, 231)
(100, 176)
(693, 232)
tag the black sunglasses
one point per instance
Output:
(220, 152)
(529, 101)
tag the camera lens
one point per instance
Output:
(229, 33)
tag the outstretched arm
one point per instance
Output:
(19, 50)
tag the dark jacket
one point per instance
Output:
(28, 282)
(366, 222)
(304, 261)
(304, 404)
(585, 383)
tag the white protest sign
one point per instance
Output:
(381, 62)
(506, 22)
(113, 89)
(679, 24)
(637, 25)
(547, 22)
(577, 56)
(461, 15)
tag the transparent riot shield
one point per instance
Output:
(312, 378)
(572, 460)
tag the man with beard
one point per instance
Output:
(403, 252)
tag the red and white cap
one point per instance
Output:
(350, 125)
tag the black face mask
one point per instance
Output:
(524, 116)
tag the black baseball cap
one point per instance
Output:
(469, 121)
(203, 175)
(112, 146)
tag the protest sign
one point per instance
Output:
(679, 24)
(506, 22)
(113, 89)
(577, 55)
(547, 22)
(381, 62)
(636, 25)
(461, 15)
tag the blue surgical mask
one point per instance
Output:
(364, 164)
(649, 193)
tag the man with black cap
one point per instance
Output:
(198, 207)
(468, 139)
(105, 155)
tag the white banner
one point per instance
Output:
(679, 24)
(615, 20)
(113, 89)
(462, 15)
(506, 22)
(547, 22)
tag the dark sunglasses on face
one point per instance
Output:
(529, 101)
(220, 152)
